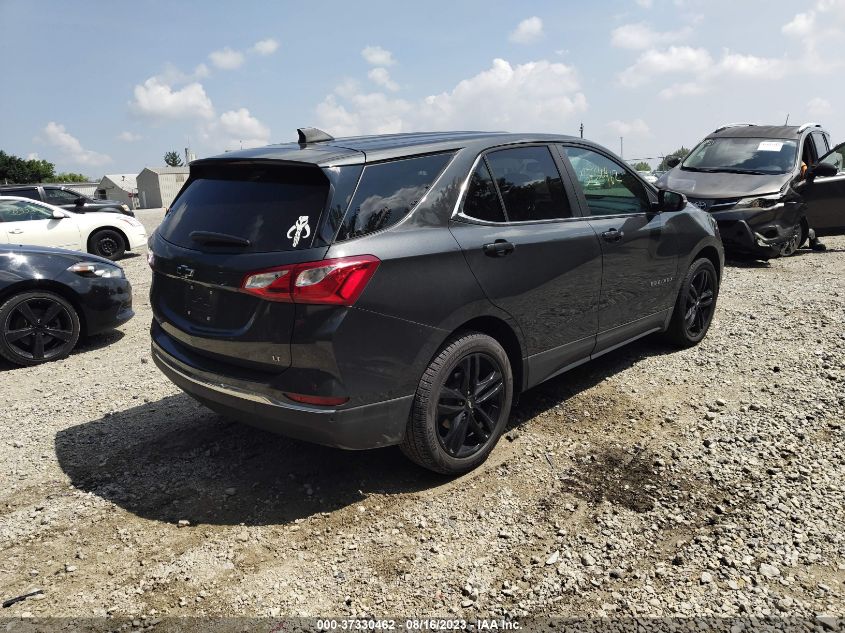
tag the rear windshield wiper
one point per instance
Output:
(223, 239)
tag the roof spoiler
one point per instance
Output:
(808, 125)
(312, 135)
(725, 127)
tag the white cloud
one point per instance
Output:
(802, 24)
(32, 156)
(639, 36)
(201, 71)
(69, 146)
(683, 89)
(819, 31)
(752, 66)
(527, 31)
(381, 77)
(378, 56)
(158, 100)
(235, 129)
(817, 106)
(227, 58)
(539, 95)
(129, 137)
(265, 47)
(634, 129)
(645, 4)
(698, 70)
(686, 59)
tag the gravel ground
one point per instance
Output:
(651, 482)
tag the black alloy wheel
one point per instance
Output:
(37, 327)
(700, 301)
(461, 406)
(469, 405)
(695, 305)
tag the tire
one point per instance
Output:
(693, 314)
(50, 322)
(794, 242)
(805, 233)
(107, 243)
(441, 412)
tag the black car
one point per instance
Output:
(49, 297)
(771, 188)
(404, 289)
(66, 198)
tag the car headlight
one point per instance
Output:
(759, 202)
(97, 269)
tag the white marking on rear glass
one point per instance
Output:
(295, 232)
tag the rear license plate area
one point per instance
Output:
(200, 303)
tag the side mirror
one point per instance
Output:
(670, 200)
(58, 215)
(821, 170)
(80, 201)
(673, 162)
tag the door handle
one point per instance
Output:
(613, 235)
(16, 231)
(499, 248)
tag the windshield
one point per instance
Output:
(743, 156)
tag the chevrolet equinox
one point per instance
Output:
(404, 289)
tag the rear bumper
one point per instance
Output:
(367, 426)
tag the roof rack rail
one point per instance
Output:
(808, 125)
(312, 135)
(726, 126)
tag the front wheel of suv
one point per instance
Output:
(461, 406)
(695, 305)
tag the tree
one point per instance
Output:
(173, 159)
(642, 166)
(68, 176)
(682, 152)
(16, 170)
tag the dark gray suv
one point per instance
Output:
(770, 187)
(404, 289)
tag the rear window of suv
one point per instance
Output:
(270, 208)
(388, 191)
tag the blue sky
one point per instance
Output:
(109, 87)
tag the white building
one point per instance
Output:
(157, 186)
(122, 187)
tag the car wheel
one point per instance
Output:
(695, 305)
(805, 233)
(107, 243)
(461, 406)
(37, 327)
(794, 242)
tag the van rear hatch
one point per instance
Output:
(232, 219)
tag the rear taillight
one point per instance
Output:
(333, 281)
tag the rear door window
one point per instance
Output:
(530, 184)
(482, 201)
(388, 191)
(253, 208)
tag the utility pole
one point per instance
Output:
(582, 129)
(621, 147)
